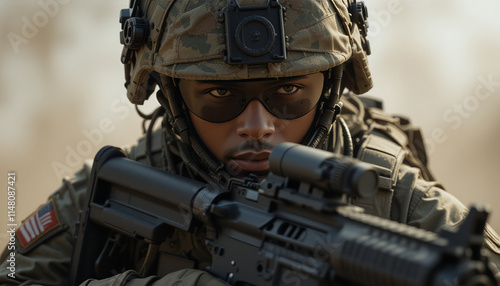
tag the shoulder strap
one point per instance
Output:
(387, 157)
(140, 151)
(386, 141)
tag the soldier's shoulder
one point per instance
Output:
(57, 215)
(394, 146)
(60, 213)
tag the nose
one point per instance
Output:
(255, 122)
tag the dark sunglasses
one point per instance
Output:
(221, 105)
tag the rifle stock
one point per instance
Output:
(293, 228)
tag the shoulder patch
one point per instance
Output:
(41, 225)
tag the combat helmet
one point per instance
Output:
(239, 40)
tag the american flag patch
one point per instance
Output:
(36, 226)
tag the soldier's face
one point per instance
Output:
(245, 141)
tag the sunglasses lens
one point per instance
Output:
(285, 108)
(231, 107)
(216, 112)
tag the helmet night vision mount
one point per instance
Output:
(135, 31)
(254, 34)
(359, 15)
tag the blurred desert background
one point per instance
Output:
(62, 94)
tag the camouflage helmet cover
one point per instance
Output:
(187, 40)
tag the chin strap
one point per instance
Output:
(346, 135)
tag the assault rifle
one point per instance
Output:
(295, 227)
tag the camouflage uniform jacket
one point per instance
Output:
(406, 195)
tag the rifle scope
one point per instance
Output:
(326, 170)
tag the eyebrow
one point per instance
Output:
(235, 82)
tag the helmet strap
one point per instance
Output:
(330, 108)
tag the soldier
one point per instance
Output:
(235, 79)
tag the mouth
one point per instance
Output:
(251, 161)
